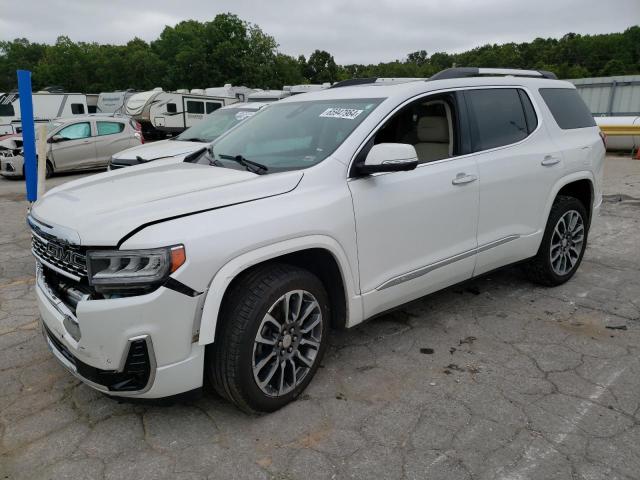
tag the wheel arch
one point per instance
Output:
(579, 185)
(320, 254)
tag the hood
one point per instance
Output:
(161, 149)
(103, 208)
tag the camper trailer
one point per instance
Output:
(163, 114)
(298, 89)
(266, 96)
(46, 106)
(113, 102)
(241, 93)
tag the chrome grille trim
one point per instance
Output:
(49, 253)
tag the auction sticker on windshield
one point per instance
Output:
(346, 113)
(243, 115)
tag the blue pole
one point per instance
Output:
(28, 134)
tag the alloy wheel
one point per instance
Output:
(287, 343)
(567, 242)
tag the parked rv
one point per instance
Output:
(84, 143)
(46, 106)
(298, 89)
(189, 141)
(241, 93)
(114, 102)
(265, 96)
(164, 113)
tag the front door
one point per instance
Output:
(416, 230)
(74, 148)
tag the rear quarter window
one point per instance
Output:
(567, 108)
(497, 117)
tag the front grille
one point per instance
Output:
(68, 259)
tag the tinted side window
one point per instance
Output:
(212, 107)
(567, 108)
(171, 108)
(109, 128)
(195, 107)
(497, 117)
(77, 108)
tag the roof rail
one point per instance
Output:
(465, 72)
(371, 80)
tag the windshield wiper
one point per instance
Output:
(250, 165)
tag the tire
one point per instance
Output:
(247, 369)
(49, 172)
(547, 267)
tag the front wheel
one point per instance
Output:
(271, 339)
(563, 243)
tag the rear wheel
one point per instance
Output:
(563, 243)
(272, 336)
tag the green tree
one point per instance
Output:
(321, 67)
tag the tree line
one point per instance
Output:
(195, 54)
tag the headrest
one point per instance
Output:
(433, 129)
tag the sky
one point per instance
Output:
(353, 31)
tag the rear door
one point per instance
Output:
(111, 137)
(518, 165)
(75, 148)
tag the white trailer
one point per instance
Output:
(240, 92)
(162, 114)
(266, 96)
(46, 106)
(305, 88)
(113, 102)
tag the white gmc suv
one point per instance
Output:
(321, 211)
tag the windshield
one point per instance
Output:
(290, 136)
(215, 124)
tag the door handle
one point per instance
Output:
(550, 160)
(463, 178)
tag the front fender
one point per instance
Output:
(226, 274)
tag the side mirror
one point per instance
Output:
(55, 139)
(389, 157)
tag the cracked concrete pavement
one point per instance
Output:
(493, 379)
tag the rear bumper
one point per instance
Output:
(136, 346)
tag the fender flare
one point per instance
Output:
(225, 275)
(567, 179)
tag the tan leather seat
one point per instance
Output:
(433, 138)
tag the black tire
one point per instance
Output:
(229, 360)
(48, 171)
(539, 269)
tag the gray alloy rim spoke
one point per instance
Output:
(567, 242)
(287, 342)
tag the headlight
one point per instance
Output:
(133, 268)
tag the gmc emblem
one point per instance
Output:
(59, 253)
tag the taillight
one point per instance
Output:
(138, 133)
(603, 137)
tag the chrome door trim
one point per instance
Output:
(405, 277)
